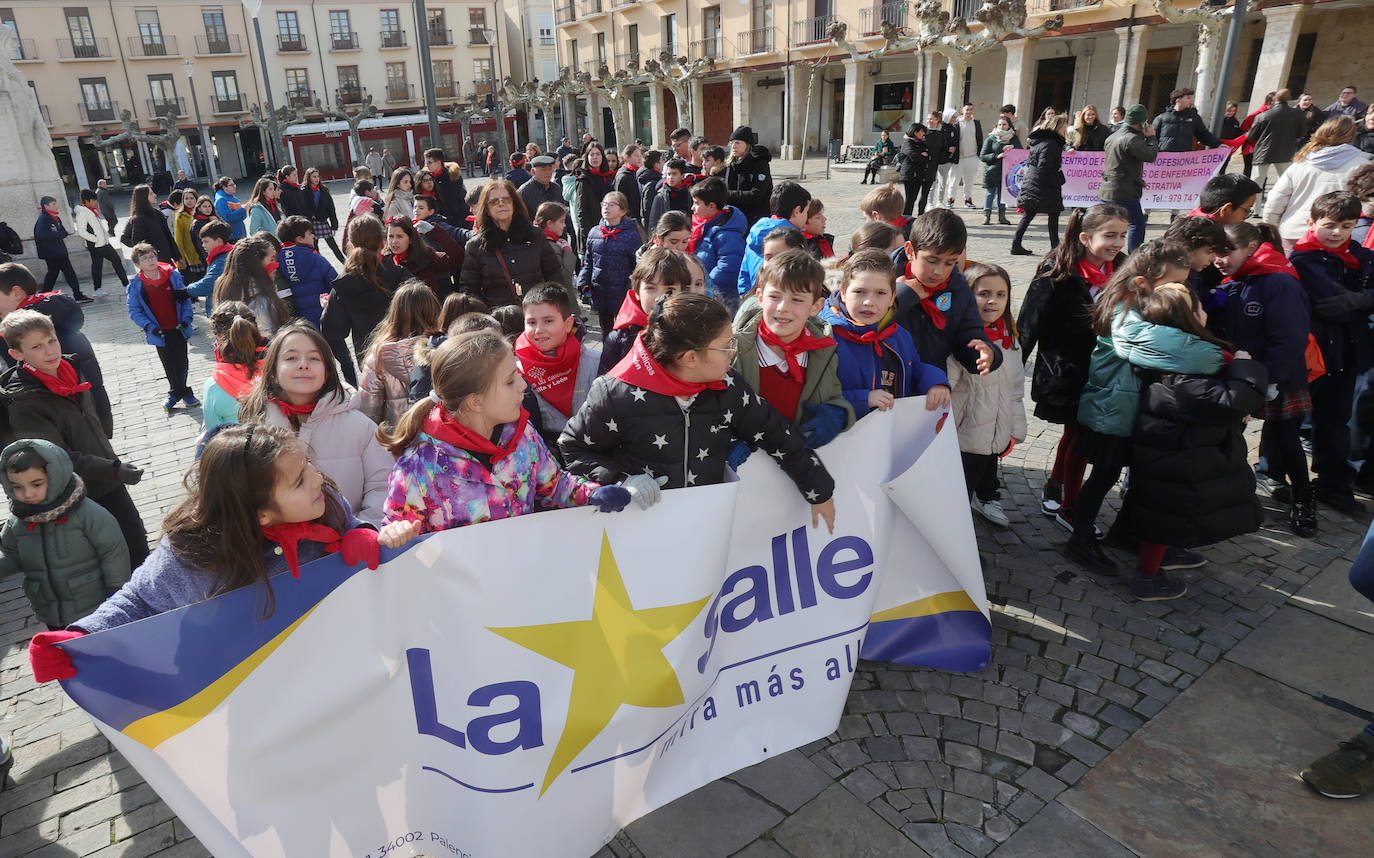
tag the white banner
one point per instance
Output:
(1174, 180)
(530, 686)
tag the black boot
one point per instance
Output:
(1302, 513)
(987, 217)
(1018, 250)
(1002, 216)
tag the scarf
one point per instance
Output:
(232, 378)
(937, 316)
(608, 174)
(292, 185)
(822, 243)
(1265, 260)
(900, 222)
(30, 300)
(1368, 239)
(997, 332)
(95, 207)
(65, 383)
(271, 206)
(289, 537)
(1198, 212)
(292, 410)
(698, 226)
(553, 378)
(554, 237)
(630, 313)
(441, 426)
(1310, 242)
(805, 342)
(641, 370)
(203, 218)
(164, 276)
(54, 512)
(1003, 134)
(219, 251)
(873, 337)
(1097, 277)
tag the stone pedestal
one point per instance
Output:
(27, 170)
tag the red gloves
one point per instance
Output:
(48, 661)
(359, 545)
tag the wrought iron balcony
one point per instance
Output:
(439, 36)
(711, 47)
(1041, 7)
(566, 13)
(98, 112)
(173, 107)
(293, 43)
(350, 95)
(226, 104)
(592, 7)
(86, 49)
(153, 47)
(218, 45)
(300, 98)
(760, 40)
(25, 51)
(394, 39)
(622, 61)
(400, 92)
(445, 90)
(343, 41)
(872, 18)
(809, 31)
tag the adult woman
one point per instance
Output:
(593, 182)
(1089, 133)
(181, 234)
(507, 254)
(400, 195)
(493, 163)
(994, 150)
(263, 210)
(230, 209)
(915, 167)
(881, 154)
(406, 246)
(292, 199)
(1325, 164)
(359, 298)
(1230, 123)
(1364, 138)
(1042, 182)
(146, 223)
(319, 204)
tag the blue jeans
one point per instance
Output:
(1136, 236)
(991, 195)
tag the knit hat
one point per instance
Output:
(745, 133)
(1136, 114)
(517, 159)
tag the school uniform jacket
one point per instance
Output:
(1056, 320)
(1341, 337)
(962, 322)
(822, 384)
(1269, 316)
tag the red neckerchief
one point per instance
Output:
(441, 426)
(553, 378)
(605, 175)
(291, 184)
(95, 207)
(219, 251)
(232, 378)
(997, 332)
(271, 206)
(204, 217)
(630, 313)
(292, 410)
(30, 300)
(874, 337)
(1310, 242)
(1198, 212)
(640, 369)
(289, 537)
(1265, 260)
(272, 266)
(937, 316)
(399, 259)
(698, 225)
(826, 250)
(611, 231)
(555, 238)
(900, 223)
(1097, 277)
(65, 383)
(436, 175)
(1368, 241)
(805, 342)
(164, 271)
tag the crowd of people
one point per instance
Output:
(649, 321)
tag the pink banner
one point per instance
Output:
(1173, 181)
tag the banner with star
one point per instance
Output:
(530, 686)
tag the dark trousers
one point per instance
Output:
(1332, 396)
(64, 267)
(980, 475)
(1111, 456)
(118, 504)
(1282, 448)
(100, 255)
(174, 364)
(607, 321)
(1026, 222)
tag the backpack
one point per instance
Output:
(10, 242)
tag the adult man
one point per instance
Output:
(943, 141)
(470, 150)
(106, 203)
(540, 188)
(1347, 104)
(373, 161)
(625, 181)
(565, 148)
(699, 145)
(388, 167)
(748, 178)
(183, 183)
(969, 134)
(681, 143)
(1128, 150)
(452, 194)
(1180, 125)
(1275, 133)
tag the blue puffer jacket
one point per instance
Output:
(49, 237)
(962, 322)
(142, 313)
(753, 250)
(205, 286)
(860, 366)
(721, 250)
(310, 277)
(607, 264)
(232, 212)
(1268, 316)
(1344, 336)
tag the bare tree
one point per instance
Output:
(535, 96)
(1211, 24)
(353, 118)
(165, 139)
(676, 75)
(257, 118)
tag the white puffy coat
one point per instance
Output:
(1289, 203)
(91, 227)
(988, 412)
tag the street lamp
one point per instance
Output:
(489, 35)
(190, 68)
(254, 7)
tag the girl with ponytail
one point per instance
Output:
(359, 298)
(238, 362)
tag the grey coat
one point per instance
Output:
(1276, 133)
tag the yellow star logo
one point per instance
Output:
(616, 658)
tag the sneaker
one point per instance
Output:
(82, 298)
(1090, 556)
(1339, 498)
(191, 401)
(169, 403)
(968, 203)
(991, 510)
(99, 292)
(1066, 522)
(1181, 558)
(1347, 772)
(1157, 588)
(1052, 498)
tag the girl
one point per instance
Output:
(1042, 183)
(359, 298)
(187, 245)
(507, 253)
(592, 183)
(424, 184)
(697, 284)
(875, 233)
(612, 161)
(673, 231)
(263, 212)
(1056, 316)
(1111, 398)
(292, 197)
(205, 212)
(450, 472)
(365, 201)
(229, 209)
(1269, 316)
(171, 207)
(994, 150)
(660, 272)
(238, 362)
(658, 414)
(406, 249)
(413, 318)
(552, 218)
(400, 196)
(1191, 482)
(815, 239)
(246, 278)
(146, 224)
(987, 408)
(319, 205)
(256, 508)
(1089, 133)
(301, 391)
(608, 260)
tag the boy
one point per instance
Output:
(560, 369)
(879, 361)
(517, 174)
(817, 241)
(214, 238)
(787, 355)
(49, 239)
(885, 203)
(934, 302)
(55, 538)
(648, 178)
(1205, 240)
(1227, 198)
(18, 291)
(788, 204)
(448, 181)
(47, 399)
(713, 161)
(1337, 275)
(360, 173)
(673, 195)
(307, 272)
(93, 231)
(659, 272)
(1361, 184)
(718, 234)
(627, 181)
(160, 305)
(426, 209)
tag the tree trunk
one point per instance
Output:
(1208, 38)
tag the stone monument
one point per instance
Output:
(27, 171)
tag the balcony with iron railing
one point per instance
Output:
(394, 39)
(618, 3)
(760, 40)
(711, 47)
(46, 114)
(173, 107)
(350, 94)
(670, 48)
(343, 41)
(1045, 7)
(592, 7)
(546, 41)
(872, 18)
(445, 90)
(220, 104)
(226, 44)
(439, 36)
(593, 68)
(98, 112)
(963, 8)
(622, 61)
(566, 13)
(291, 43)
(396, 92)
(809, 31)
(87, 49)
(153, 47)
(25, 51)
(300, 98)
(483, 85)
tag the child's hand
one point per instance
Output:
(881, 400)
(645, 489)
(984, 349)
(610, 498)
(423, 227)
(397, 533)
(937, 397)
(825, 511)
(49, 662)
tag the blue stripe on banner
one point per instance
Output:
(951, 640)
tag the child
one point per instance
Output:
(230, 210)
(674, 391)
(674, 231)
(697, 284)
(818, 242)
(1227, 198)
(450, 472)
(1361, 184)
(69, 551)
(787, 355)
(414, 254)
(92, 229)
(660, 272)
(248, 278)
(718, 240)
(987, 408)
(1337, 275)
(713, 161)
(50, 243)
(1204, 239)
(254, 482)
(238, 363)
(183, 237)
(1056, 319)
(886, 205)
(365, 201)
(878, 359)
(557, 366)
(305, 269)
(301, 391)
(263, 211)
(879, 234)
(47, 398)
(788, 204)
(214, 240)
(412, 319)
(552, 218)
(609, 259)
(1268, 316)
(360, 297)
(159, 305)
(204, 213)
(673, 195)
(511, 318)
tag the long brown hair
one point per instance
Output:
(1174, 305)
(245, 278)
(139, 204)
(978, 271)
(1063, 260)
(463, 366)
(366, 238)
(216, 527)
(419, 257)
(1149, 262)
(259, 190)
(256, 403)
(1332, 132)
(285, 174)
(414, 312)
(395, 185)
(459, 304)
(234, 326)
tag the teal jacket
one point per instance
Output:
(1111, 398)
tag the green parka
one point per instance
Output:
(822, 385)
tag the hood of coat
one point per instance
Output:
(730, 218)
(56, 462)
(756, 155)
(17, 383)
(344, 400)
(1045, 135)
(645, 175)
(1335, 157)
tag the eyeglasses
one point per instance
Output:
(729, 348)
(499, 201)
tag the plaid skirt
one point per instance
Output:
(322, 229)
(1288, 406)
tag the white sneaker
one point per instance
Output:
(990, 510)
(1068, 525)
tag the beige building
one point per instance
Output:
(1107, 52)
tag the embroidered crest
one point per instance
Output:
(1253, 309)
(943, 302)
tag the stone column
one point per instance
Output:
(594, 119)
(697, 96)
(657, 130)
(1130, 64)
(1282, 24)
(793, 134)
(78, 165)
(1020, 78)
(740, 82)
(856, 117)
(954, 83)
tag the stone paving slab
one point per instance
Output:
(1057, 832)
(1311, 654)
(717, 819)
(836, 823)
(1330, 595)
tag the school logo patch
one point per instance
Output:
(1253, 309)
(943, 302)
(763, 177)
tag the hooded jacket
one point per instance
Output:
(1123, 173)
(627, 182)
(753, 251)
(822, 384)
(607, 264)
(648, 179)
(914, 161)
(141, 311)
(1042, 183)
(1268, 314)
(988, 409)
(962, 322)
(668, 199)
(91, 227)
(234, 213)
(860, 368)
(1176, 130)
(67, 318)
(71, 562)
(749, 182)
(1347, 336)
(356, 307)
(1289, 203)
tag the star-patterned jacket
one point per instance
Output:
(623, 429)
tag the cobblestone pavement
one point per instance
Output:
(923, 762)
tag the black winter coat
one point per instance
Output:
(668, 199)
(648, 180)
(591, 189)
(356, 307)
(914, 163)
(1269, 316)
(627, 182)
(529, 257)
(67, 319)
(1345, 339)
(623, 429)
(962, 322)
(1056, 316)
(1178, 128)
(292, 201)
(1042, 183)
(453, 195)
(749, 183)
(1093, 138)
(321, 211)
(152, 228)
(1191, 480)
(939, 140)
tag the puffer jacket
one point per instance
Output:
(914, 162)
(234, 213)
(721, 250)
(91, 227)
(992, 165)
(262, 219)
(310, 277)
(67, 319)
(962, 322)
(1123, 173)
(590, 189)
(1042, 182)
(988, 409)
(1056, 320)
(49, 237)
(607, 264)
(385, 383)
(668, 199)
(822, 384)
(1176, 129)
(1289, 202)
(753, 251)
(1276, 132)
(1269, 316)
(1345, 338)
(152, 228)
(356, 307)
(442, 486)
(749, 182)
(343, 444)
(1111, 398)
(70, 563)
(141, 309)
(860, 367)
(530, 258)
